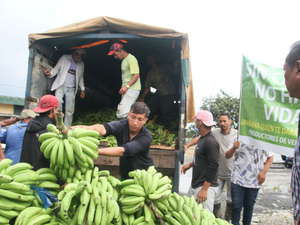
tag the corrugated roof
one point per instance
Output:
(11, 100)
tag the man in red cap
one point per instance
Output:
(69, 70)
(205, 163)
(131, 83)
(31, 146)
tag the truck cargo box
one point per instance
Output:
(103, 73)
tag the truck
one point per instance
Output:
(102, 75)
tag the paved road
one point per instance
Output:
(274, 203)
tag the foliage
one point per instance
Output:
(223, 103)
(190, 131)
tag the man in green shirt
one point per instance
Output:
(131, 83)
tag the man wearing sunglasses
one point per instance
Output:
(131, 83)
(69, 70)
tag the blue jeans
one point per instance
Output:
(242, 197)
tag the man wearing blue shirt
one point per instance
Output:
(13, 136)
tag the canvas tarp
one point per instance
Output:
(114, 25)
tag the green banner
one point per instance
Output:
(268, 115)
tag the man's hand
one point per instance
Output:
(184, 168)
(47, 72)
(123, 90)
(82, 94)
(261, 177)
(202, 195)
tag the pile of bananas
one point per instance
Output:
(15, 192)
(140, 194)
(100, 116)
(34, 215)
(147, 199)
(93, 200)
(71, 151)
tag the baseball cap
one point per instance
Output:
(114, 47)
(27, 113)
(81, 52)
(47, 102)
(206, 117)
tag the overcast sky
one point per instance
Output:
(220, 32)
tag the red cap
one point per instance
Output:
(47, 102)
(114, 47)
(206, 117)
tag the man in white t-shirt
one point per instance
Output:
(69, 70)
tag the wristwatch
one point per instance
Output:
(127, 86)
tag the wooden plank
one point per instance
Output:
(162, 147)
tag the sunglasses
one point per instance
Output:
(81, 55)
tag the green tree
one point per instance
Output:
(223, 103)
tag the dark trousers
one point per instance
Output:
(163, 104)
(242, 198)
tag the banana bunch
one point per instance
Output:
(161, 138)
(48, 180)
(15, 192)
(71, 151)
(110, 141)
(140, 193)
(93, 200)
(34, 215)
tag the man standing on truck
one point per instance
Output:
(69, 70)
(133, 139)
(38, 125)
(205, 164)
(160, 78)
(292, 83)
(131, 83)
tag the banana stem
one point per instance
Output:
(60, 124)
(155, 212)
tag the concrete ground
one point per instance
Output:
(274, 203)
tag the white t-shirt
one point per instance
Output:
(71, 75)
(247, 165)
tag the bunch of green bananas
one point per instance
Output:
(93, 200)
(161, 138)
(140, 193)
(110, 141)
(100, 116)
(34, 215)
(70, 151)
(15, 192)
(184, 210)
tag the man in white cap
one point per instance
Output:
(13, 136)
(69, 70)
(31, 146)
(131, 83)
(205, 163)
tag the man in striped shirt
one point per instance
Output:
(292, 82)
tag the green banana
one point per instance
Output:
(87, 150)
(91, 211)
(103, 173)
(44, 171)
(54, 152)
(159, 196)
(147, 213)
(178, 217)
(76, 147)
(48, 184)
(132, 200)
(125, 218)
(5, 163)
(41, 219)
(133, 189)
(5, 179)
(130, 209)
(85, 133)
(47, 142)
(69, 152)
(45, 136)
(48, 177)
